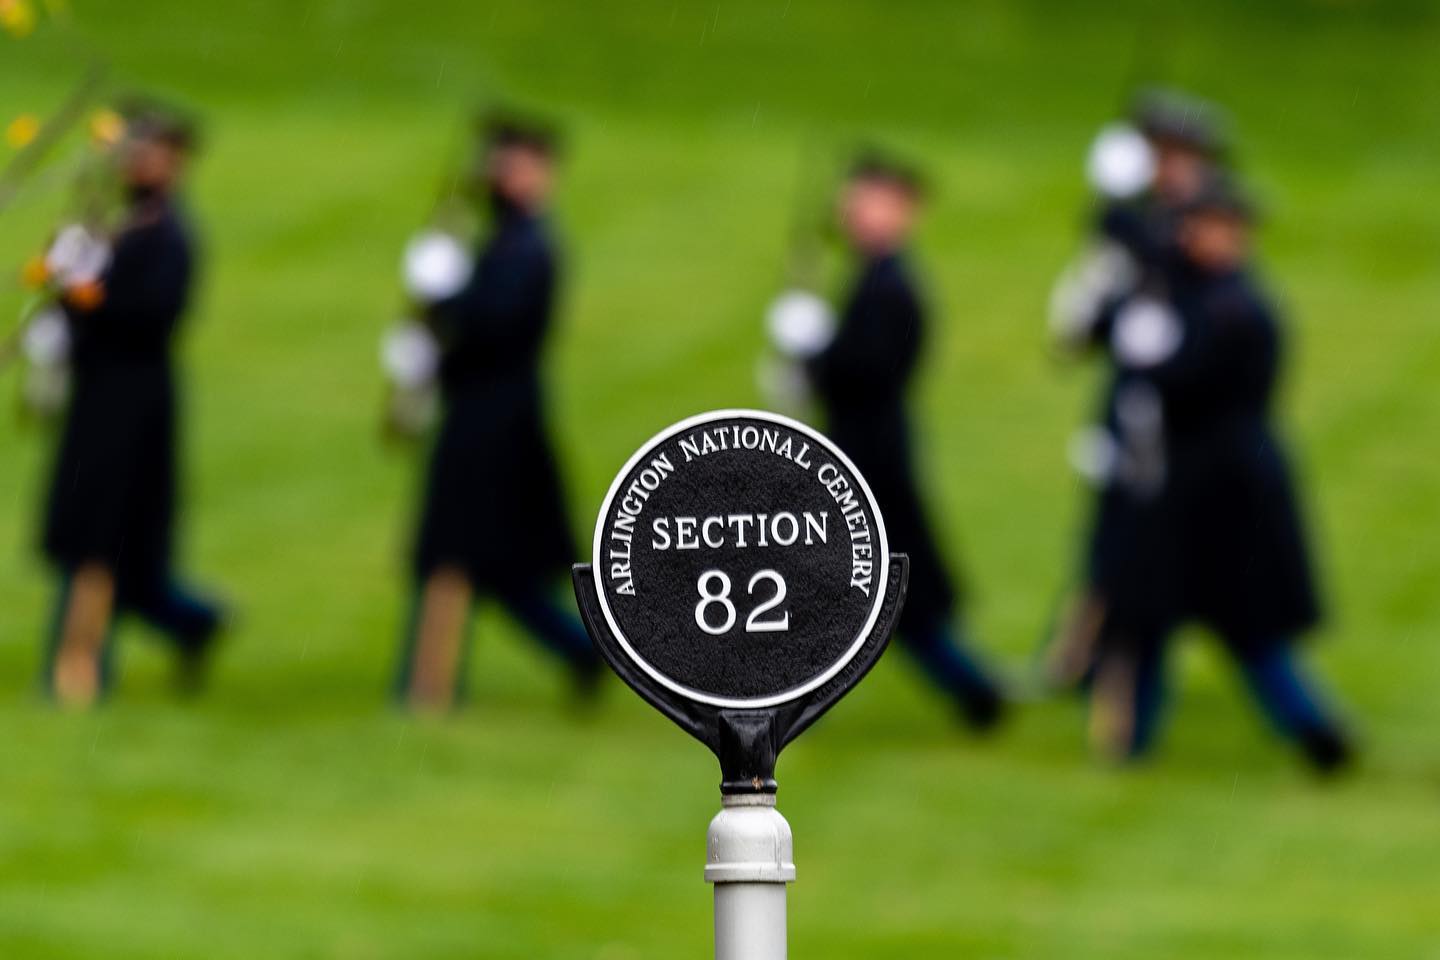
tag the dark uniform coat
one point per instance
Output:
(862, 379)
(494, 503)
(113, 496)
(1145, 229)
(1233, 554)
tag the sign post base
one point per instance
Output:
(749, 858)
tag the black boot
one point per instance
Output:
(1328, 751)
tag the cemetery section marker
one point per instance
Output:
(740, 560)
(741, 583)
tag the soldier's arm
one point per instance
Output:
(1228, 360)
(1089, 290)
(1085, 301)
(145, 286)
(1125, 225)
(495, 312)
(875, 352)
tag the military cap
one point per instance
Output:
(151, 119)
(510, 128)
(872, 163)
(1169, 117)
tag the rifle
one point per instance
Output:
(93, 199)
(410, 348)
(809, 216)
(31, 158)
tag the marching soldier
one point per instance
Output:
(1213, 532)
(111, 516)
(862, 378)
(494, 520)
(1145, 174)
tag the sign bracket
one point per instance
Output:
(746, 742)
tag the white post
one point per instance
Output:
(750, 857)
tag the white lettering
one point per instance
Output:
(794, 528)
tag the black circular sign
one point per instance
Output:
(740, 559)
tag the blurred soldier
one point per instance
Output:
(494, 519)
(862, 378)
(1145, 174)
(110, 526)
(1212, 532)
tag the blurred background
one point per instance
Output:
(292, 813)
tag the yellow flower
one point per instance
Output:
(17, 17)
(35, 274)
(22, 129)
(106, 128)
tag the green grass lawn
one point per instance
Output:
(291, 814)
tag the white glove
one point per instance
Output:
(1147, 333)
(1103, 273)
(47, 339)
(1094, 454)
(1140, 411)
(800, 324)
(436, 266)
(410, 355)
(412, 412)
(784, 384)
(1121, 163)
(77, 256)
(46, 389)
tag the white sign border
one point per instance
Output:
(882, 582)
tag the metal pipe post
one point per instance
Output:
(750, 858)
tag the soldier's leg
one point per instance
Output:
(189, 622)
(53, 638)
(1068, 656)
(437, 636)
(557, 629)
(945, 656)
(187, 619)
(1294, 704)
(1127, 699)
(78, 675)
